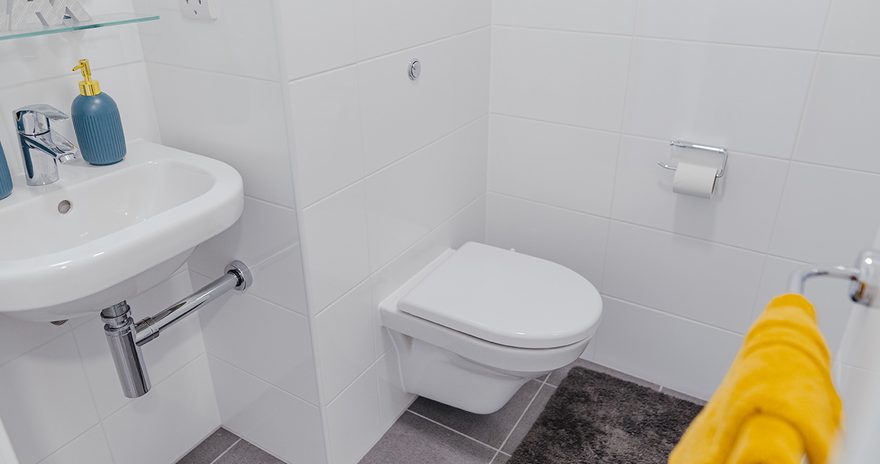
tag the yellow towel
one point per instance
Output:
(776, 403)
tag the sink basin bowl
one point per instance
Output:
(126, 228)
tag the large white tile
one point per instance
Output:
(569, 238)
(344, 341)
(699, 280)
(393, 401)
(861, 346)
(713, 94)
(562, 77)
(742, 212)
(280, 423)
(607, 16)
(45, 400)
(561, 165)
(785, 23)
(819, 218)
(164, 356)
(410, 198)
(830, 297)
(317, 35)
(281, 280)
(852, 27)
(326, 133)
(400, 116)
(681, 355)
(262, 231)
(352, 421)
(856, 390)
(335, 249)
(18, 337)
(90, 447)
(239, 121)
(241, 40)
(177, 413)
(840, 121)
(265, 340)
(384, 26)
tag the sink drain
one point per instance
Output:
(64, 207)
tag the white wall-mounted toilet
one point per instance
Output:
(479, 322)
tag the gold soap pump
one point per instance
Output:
(96, 121)
(88, 87)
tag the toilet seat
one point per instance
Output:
(506, 298)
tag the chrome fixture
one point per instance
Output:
(415, 69)
(42, 149)
(722, 152)
(864, 277)
(126, 337)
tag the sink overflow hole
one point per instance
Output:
(64, 207)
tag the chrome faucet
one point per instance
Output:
(42, 149)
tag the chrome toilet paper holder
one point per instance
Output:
(722, 152)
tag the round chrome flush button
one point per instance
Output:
(64, 207)
(415, 69)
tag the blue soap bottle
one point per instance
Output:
(5, 177)
(97, 122)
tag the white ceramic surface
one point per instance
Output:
(7, 454)
(131, 225)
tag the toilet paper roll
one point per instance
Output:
(694, 179)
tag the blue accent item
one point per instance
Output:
(5, 177)
(98, 129)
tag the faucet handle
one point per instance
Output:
(35, 119)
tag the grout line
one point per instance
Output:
(227, 450)
(452, 430)
(526, 410)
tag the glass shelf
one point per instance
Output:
(96, 22)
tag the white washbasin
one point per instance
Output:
(129, 227)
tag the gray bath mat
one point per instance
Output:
(596, 418)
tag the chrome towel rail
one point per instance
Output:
(863, 277)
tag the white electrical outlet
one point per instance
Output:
(199, 9)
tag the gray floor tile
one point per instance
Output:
(246, 453)
(491, 429)
(531, 415)
(682, 396)
(500, 459)
(413, 439)
(559, 375)
(209, 449)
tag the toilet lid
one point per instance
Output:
(507, 298)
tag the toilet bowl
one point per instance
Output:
(479, 322)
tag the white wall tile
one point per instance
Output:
(281, 280)
(45, 400)
(239, 121)
(585, 76)
(352, 421)
(265, 340)
(240, 41)
(400, 116)
(18, 337)
(393, 401)
(90, 447)
(266, 416)
(177, 413)
(262, 231)
(816, 221)
(785, 23)
(681, 355)
(608, 16)
(852, 27)
(385, 26)
(657, 269)
(560, 165)
(344, 341)
(711, 94)
(336, 250)
(572, 239)
(164, 356)
(742, 212)
(840, 121)
(327, 133)
(317, 35)
(829, 297)
(410, 198)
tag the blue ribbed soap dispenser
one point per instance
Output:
(5, 177)
(96, 121)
